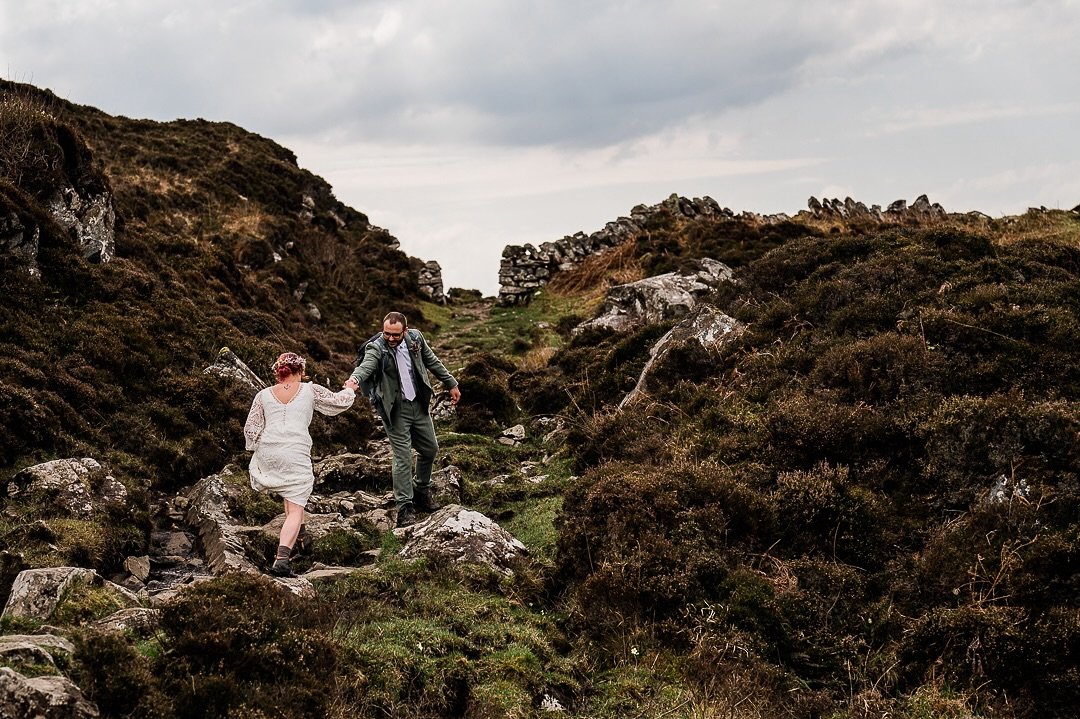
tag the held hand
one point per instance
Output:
(352, 384)
(455, 395)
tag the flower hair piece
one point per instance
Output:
(289, 359)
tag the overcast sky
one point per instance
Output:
(463, 126)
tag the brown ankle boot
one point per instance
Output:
(281, 568)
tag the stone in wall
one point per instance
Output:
(898, 212)
(431, 283)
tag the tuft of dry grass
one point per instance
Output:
(537, 358)
(26, 134)
(245, 218)
(155, 181)
(615, 266)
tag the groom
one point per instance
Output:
(396, 367)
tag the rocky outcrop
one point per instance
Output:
(21, 652)
(512, 435)
(42, 698)
(90, 218)
(352, 470)
(446, 485)
(208, 513)
(706, 329)
(78, 487)
(657, 299)
(140, 621)
(49, 643)
(524, 268)
(462, 535)
(37, 593)
(229, 365)
(921, 211)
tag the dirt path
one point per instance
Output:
(455, 343)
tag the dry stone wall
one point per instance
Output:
(524, 269)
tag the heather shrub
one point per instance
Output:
(646, 540)
(971, 442)
(117, 678)
(805, 429)
(541, 391)
(487, 405)
(604, 366)
(240, 645)
(620, 437)
(885, 367)
(1020, 664)
(826, 513)
(40, 152)
(980, 558)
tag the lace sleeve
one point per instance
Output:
(331, 403)
(256, 420)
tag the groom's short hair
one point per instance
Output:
(396, 318)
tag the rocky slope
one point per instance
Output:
(833, 476)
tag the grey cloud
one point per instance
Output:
(579, 79)
(475, 72)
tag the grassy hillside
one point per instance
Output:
(869, 500)
(221, 240)
(865, 506)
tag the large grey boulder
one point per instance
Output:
(48, 642)
(706, 329)
(220, 535)
(463, 535)
(657, 299)
(47, 697)
(79, 487)
(446, 484)
(140, 621)
(318, 525)
(24, 653)
(36, 593)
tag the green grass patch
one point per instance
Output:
(435, 639)
(533, 524)
(85, 603)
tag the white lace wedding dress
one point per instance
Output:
(278, 432)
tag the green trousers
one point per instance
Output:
(411, 429)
